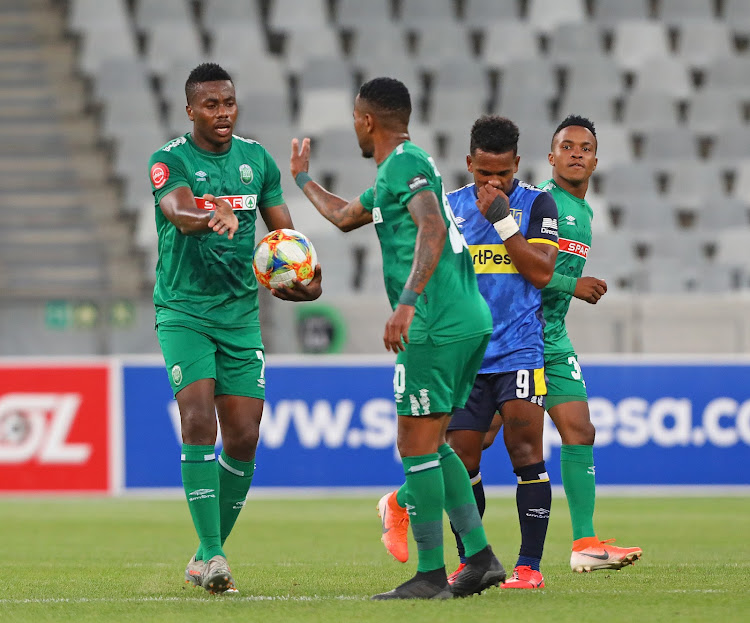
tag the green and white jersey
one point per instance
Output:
(574, 226)
(451, 307)
(207, 277)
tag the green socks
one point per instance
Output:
(201, 482)
(460, 503)
(234, 480)
(579, 482)
(425, 498)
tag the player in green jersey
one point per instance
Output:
(573, 160)
(439, 330)
(208, 183)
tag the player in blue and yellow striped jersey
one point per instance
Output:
(511, 230)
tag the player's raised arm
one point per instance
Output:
(180, 209)
(534, 257)
(346, 215)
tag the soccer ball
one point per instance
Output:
(282, 256)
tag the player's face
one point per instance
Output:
(495, 169)
(213, 111)
(573, 156)
(361, 128)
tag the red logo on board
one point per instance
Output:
(54, 428)
(159, 174)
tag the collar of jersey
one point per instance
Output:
(203, 152)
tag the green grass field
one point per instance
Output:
(321, 559)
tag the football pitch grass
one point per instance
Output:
(321, 559)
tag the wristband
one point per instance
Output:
(408, 297)
(301, 179)
(506, 227)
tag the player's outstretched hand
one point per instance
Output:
(397, 328)
(299, 292)
(492, 202)
(224, 219)
(590, 289)
(300, 160)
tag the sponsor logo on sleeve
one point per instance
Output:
(549, 226)
(159, 174)
(417, 182)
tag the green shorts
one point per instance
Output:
(564, 380)
(436, 379)
(232, 356)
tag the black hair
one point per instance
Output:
(576, 120)
(205, 72)
(388, 96)
(494, 134)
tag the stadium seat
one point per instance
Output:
(326, 73)
(286, 15)
(700, 43)
(534, 77)
(676, 12)
(645, 111)
(379, 46)
(666, 75)
(689, 183)
(438, 44)
(447, 110)
(325, 109)
(588, 102)
(596, 73)
(87, 15)
(357, 15)
(636, 41)
(422, 14)
(524, 107)
(731, 75)
(505, 43)
(614, 145)
(737, 16)
(575, 41)
(267, 110)
(301, 44)
(161, 51)
(712, 110)
(151, 15)
(717, 213)
(610, 12)
(669, 145)
(406, 72)
(490, 13)
(462, 76)
(534, 144)
(623, 181)
(110, 41)
(640, 214)
(545, 15)
(217, 14)
(731, 146)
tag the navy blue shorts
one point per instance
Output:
(492, 391)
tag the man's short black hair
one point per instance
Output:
(389, 97)
(205, 72)
(576, 120)
(494, 134)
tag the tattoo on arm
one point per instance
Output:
(431, 234)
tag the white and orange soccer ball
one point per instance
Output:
(282, 256)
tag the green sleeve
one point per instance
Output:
(410, 174)
(562, 283)
(367, 199)
(271, 194)
(167, 172)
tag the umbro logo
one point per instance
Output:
(201, 176)
(570, 219)
(410, 509)
(201, 492)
